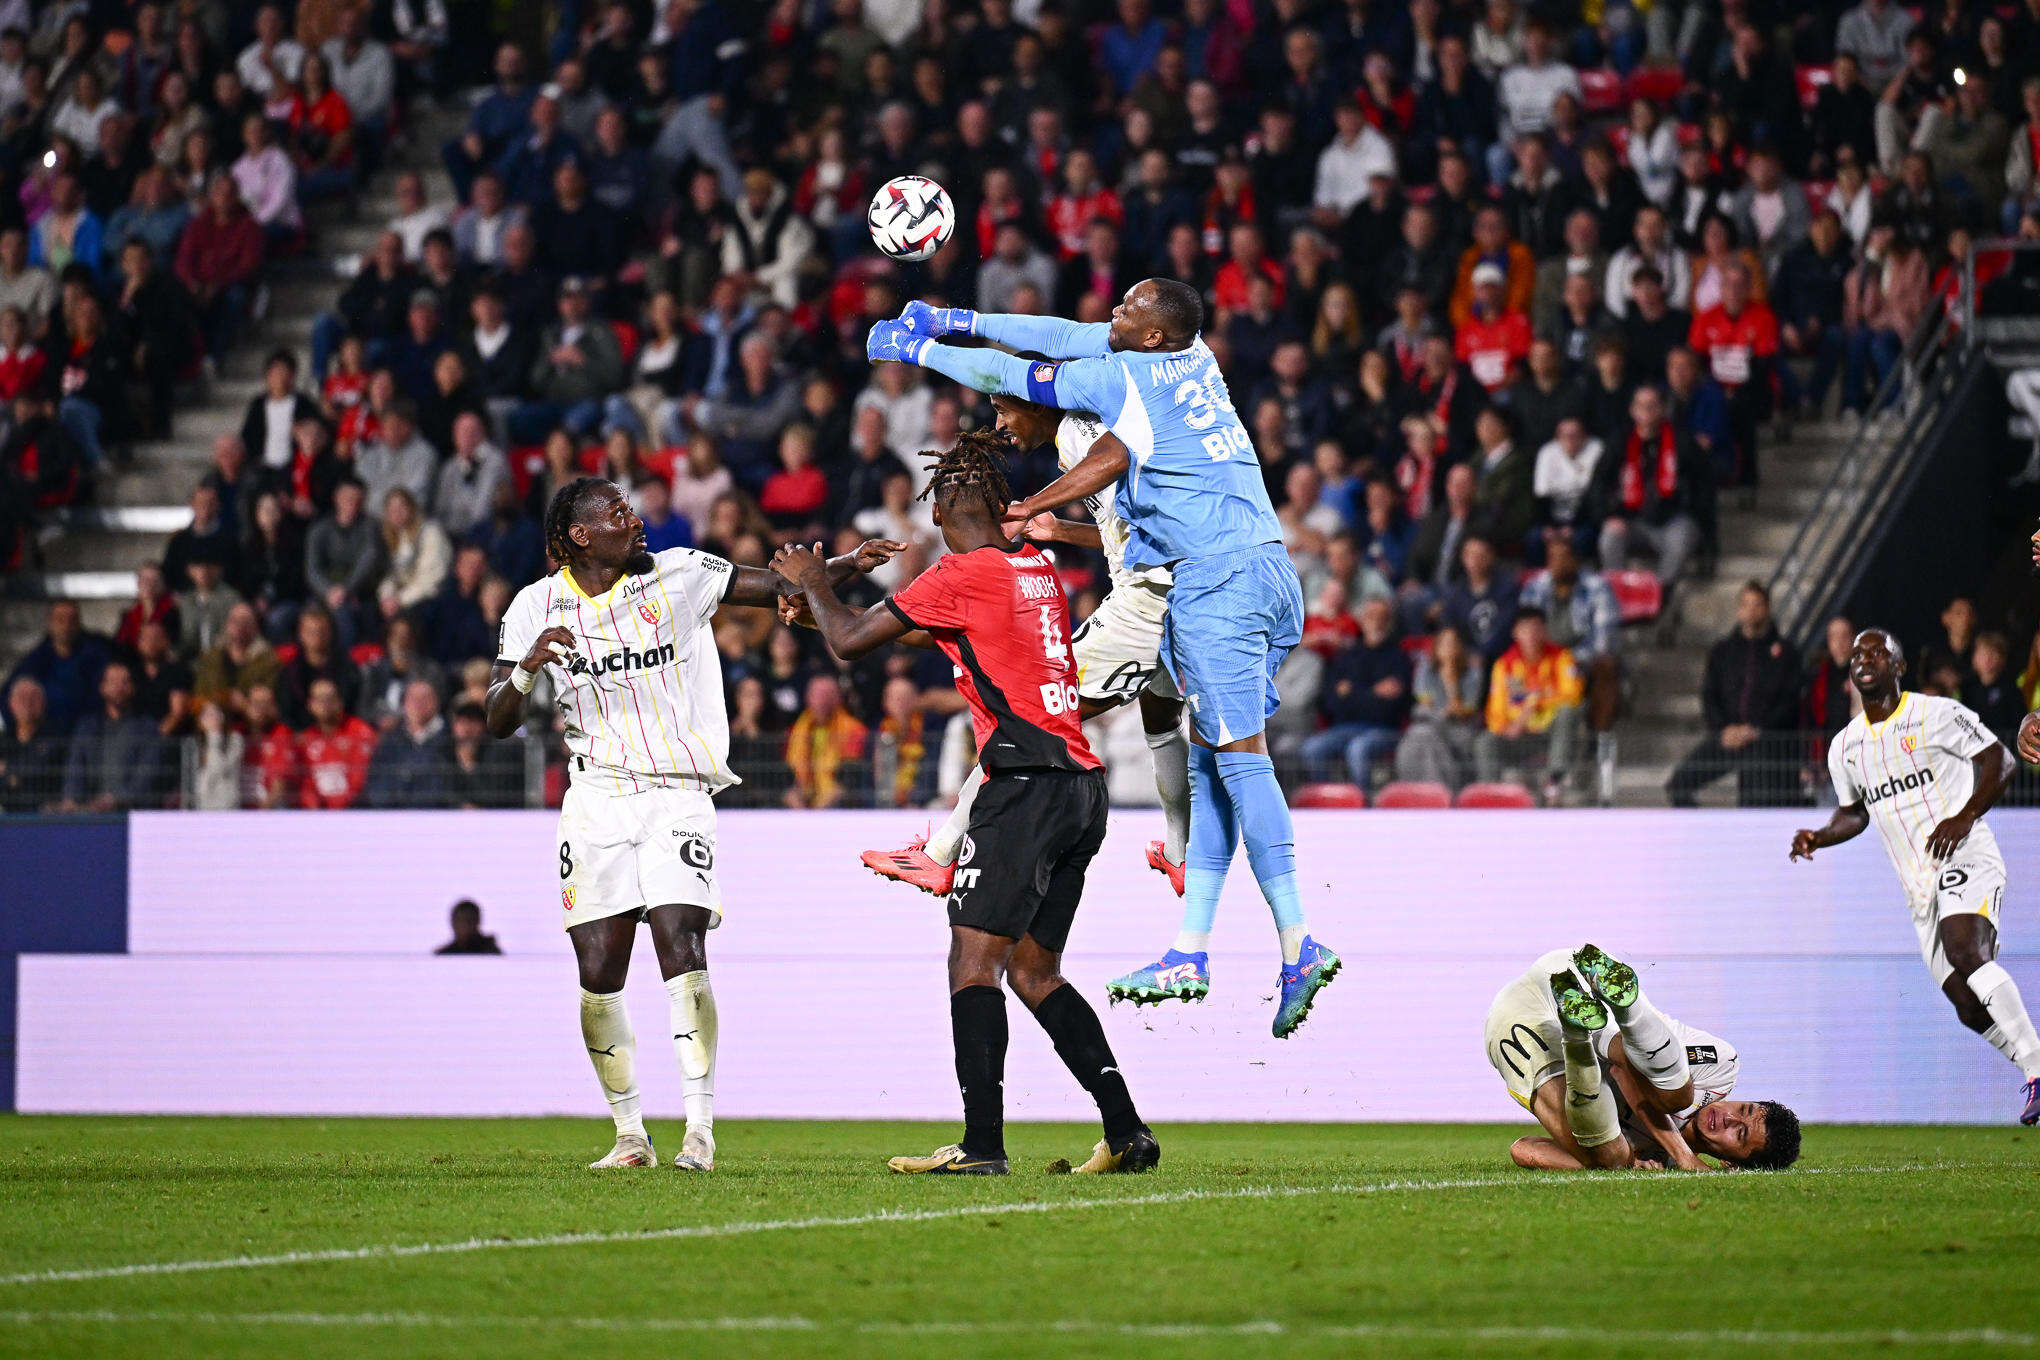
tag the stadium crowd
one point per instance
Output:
(1506, 293)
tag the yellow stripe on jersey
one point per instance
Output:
(672, 756)
(679, 684)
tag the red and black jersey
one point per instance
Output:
(1000, 616)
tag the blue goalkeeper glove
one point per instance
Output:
(936, 322)
(893, 341)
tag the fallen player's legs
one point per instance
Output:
(1563, 1148)
(1653, 1050)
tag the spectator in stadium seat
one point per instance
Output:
(761, 401)
(1990, 691)
(1578, 253)
(484, 773)
(268, 181)
(32, 756)
(1563, 480)
(1808, 296)
(470, 478)
(152, 321)
(1449, 692)
(240, 660)
(398, 457)
(1534, 199)
(1364, 699)
(1738, 338)
(1966, 139)
(824, 748)
(333, 750)
(364, 73)
(268, 428)
(1873, 33)
(1493, 339)
(1770, 209)
(115, 760)
(93, 378)
(1884, 300)
(480, 228)
(23, 285)
(664, 526)
(1843, 120)
(1386, 532)
(416, 553)
(1356, 155)
(1434, 554)
(67, 664)
(1504, 501)
(1533, 706)
(203, 608)
(1651, 247)
(1749, 699)
(1581, 615)
(218, 260)
(413, 762)
(1648, 492)
(1828, 700)
(497, 120)
(793, 497)
(153, 604)
(222, 757)
(343, 552)
(153, 213)
(1493, 247)
(209, 532)
(68, 231)
(163, 683)
(1956, 642)
(576, 377)
(1482, 602)
(412, 352)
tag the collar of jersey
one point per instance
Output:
(568, 574)
(1903, 696)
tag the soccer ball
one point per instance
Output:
(911, 218)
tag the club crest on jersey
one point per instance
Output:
(1043, 373)
(648, 610)
(1909, 743)
(567, 898)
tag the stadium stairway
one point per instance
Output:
(1662, 718)
(141, 503)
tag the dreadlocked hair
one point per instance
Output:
(976, 463)
(561, 513)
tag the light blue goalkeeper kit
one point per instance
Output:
(1194, 500)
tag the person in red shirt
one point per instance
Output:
(795, 495)
(270, 771)
(322, 128)
(1494, 339)
(995, 608)
(218, 258)
(21, 363)
(1085, 199)
(1739, 341)
(334, 751)
(1249, 257)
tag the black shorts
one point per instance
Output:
(1021, 870)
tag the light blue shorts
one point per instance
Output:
(1232, 620)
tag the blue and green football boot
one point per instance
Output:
(1175, 977)
(1301, 981)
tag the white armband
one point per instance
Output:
(522, 680)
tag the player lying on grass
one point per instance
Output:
(1924, 770)
(1195, 502)
(1645, 1090)
(995, 608)
(1118, 650)
(625, 636)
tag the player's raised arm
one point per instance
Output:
(503, 710)
(763, 589)
(848, 632)
(1050, 335)
(1050, 529)
(1104, 464)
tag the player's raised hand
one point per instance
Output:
(892, 342)
(1804, 843)
(1041, 528)
(1947, 838)
(874, 553)
(935, 322)
(2029, 739)
(800, 565)
(547, 649)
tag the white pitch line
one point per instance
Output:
(1356, 1331)
(742, 1228)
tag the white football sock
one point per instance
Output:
(612, 1047)
(1171, 752)
(1653, 1050)
(1291, 940)
(2011, 1031)
(692, 1007)
(1192, 942)
(948, 838)
(1589, 1104)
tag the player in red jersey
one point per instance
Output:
(995, 607)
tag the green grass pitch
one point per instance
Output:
(163, 1237)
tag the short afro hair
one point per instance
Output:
(1177, 308)
(1781, 1140)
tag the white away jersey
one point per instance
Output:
(1073, 439)
(642, 691)
(1710, 1058)
(1911, 772)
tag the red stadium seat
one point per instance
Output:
(1809, 79)
(591, 460)
(527, 461)
(1413, 793)
(1618, 141)
(1638, 595)
(626, 339)
(1416, 644)
(661, 462)
(1658, 84)
(365, 653)
(1494, 796)
(1600, 92)
(1329, 796)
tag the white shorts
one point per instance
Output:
(1524, 1044)
(1119, 648)
(631, 852)
(1967, 885)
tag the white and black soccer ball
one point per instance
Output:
(911, 218)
